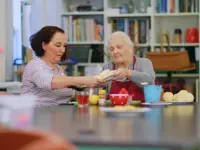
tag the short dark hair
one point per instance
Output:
(45, 35)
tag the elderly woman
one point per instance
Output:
(43, 77)
(130, 71)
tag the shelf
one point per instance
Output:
(98, 43)
(89, 64)
(175, 14)
(91, 13)
(179, 75)
(85, 43)
(155, 24)
(128, 15)
(144, 45)
(179, 44)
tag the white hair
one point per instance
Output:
(123, 35)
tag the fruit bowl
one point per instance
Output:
(119, 99)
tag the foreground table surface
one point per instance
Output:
(171, 127)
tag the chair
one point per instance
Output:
(4, 93)
(32, 140)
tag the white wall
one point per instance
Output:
(45, 12)
(2, 38)
(17, 45)
(6, 32)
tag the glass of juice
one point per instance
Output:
(82, 98)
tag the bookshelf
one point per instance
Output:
(160, 15)
(85, 43)
(128, 15)
(180, 44)
(92, 13)
(176, 14)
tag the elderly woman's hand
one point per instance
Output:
(122, 73)
(90, 81)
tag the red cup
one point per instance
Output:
(82, 98)
(192, 35)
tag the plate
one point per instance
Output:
(108, 102)
(135, 102)
(112, 109)
(108, 78)
(157, 104)
(182, 103)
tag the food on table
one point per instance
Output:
(190, 97)
(108, 102)
(104, 74)
(135, 102)
(125, 108)
(102, 96)
(182, 96)
(168, 96)
(183, 92)
(129, 107)
(174, 97)
(123, 91)
(120, 108)
(94, 99)
(102, 92)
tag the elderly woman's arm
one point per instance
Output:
(144, 73)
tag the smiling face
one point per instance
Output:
(56, 47)
(119, 49)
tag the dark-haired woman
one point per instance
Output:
(43, 77)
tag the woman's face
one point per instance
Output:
(119, 50)
(56, 47)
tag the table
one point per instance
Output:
(171, 127)
(11, 87)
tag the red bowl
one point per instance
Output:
(119, 99)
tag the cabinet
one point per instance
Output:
(90, 30)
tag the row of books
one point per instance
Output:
(81, 29)
(137, 29)
(176, 6)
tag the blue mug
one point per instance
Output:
(124, 9)
(152, 93)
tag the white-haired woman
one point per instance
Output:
(130, 71)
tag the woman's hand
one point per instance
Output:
(122, 73)
(103, 84)
(90, 81)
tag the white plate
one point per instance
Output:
(156, 104)
(182, 103)
(112, 109)
(108, 78)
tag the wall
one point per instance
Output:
(2, 38)
(6, 32)
(45, 12)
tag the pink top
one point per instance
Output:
(37, 81)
